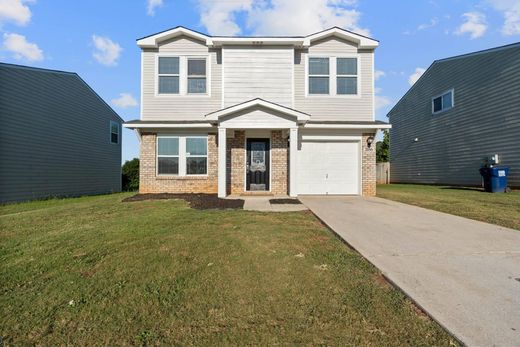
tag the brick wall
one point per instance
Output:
(150, 183)
(279, 163)
(236, 163)
(369, 166)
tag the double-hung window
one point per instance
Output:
(333, 76)
(182, 155)
(196, 75)
(443, 102)
(319, 75)
(114, 132)
(196, 155)
(346, 76)
(169, 75)
(168, 155)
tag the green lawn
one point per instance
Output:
(500, 209)
(95, 271)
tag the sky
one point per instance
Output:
(96, 38)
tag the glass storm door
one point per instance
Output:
(257, 168)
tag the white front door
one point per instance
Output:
(329, 167)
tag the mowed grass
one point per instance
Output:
(473, 203)
(95, 271)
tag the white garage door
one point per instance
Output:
(326, 167)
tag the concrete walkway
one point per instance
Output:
(262, 204)
(464, 273)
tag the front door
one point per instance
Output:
(257, 168)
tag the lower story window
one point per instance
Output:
(196, 155)
(182, 155)
(168, 155)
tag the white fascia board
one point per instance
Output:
(153, 41)
(170, 125)
(301, 117)
(361, 41)
(348, 126)
(257, 41)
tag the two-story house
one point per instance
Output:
(246, 115)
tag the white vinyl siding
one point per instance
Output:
(182, 155)
(358, 107)
(182, 106)
(258, 72)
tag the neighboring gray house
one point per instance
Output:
(57, 138)
(461, 110)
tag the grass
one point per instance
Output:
(473, 203)
(95, 271)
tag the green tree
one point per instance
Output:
(130, 175)
(382, 149)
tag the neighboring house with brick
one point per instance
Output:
(462, 110)
(57, 136)
(249, 115)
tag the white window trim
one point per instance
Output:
(196, 76)
(118, 133)
(182, 156)
(452, 91)
(333, 76)
(157, 155)
(157, 74)
(329, 75)
(183, 75)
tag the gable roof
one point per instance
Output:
(152, 41)
(449, 59)
(36, 71)
(301, 117)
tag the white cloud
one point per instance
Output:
(125, 100)
(416, 75)
(21, 48)
(433, 22)
(382, 102)
(106, 51)
(474, 24)
(280, 17)
(15, 11)
(152, 5)
(378, 74)
(511, 11)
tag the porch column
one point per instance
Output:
(222, 162)
(293, 145)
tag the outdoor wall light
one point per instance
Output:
(370, 140)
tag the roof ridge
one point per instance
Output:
(42, 69)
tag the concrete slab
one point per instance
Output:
(464, 273)
(262, 204)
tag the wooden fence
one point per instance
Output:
(383, 173)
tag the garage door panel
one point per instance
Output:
(328, 167)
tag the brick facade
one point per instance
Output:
(279, 164)
(235, 167)
(149, 182)
(236, 163)
(368, 167)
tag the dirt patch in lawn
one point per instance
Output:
(285, 202)
(196, 201)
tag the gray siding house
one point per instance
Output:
(462, 109)
(57, 138)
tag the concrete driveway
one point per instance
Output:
(464, 273)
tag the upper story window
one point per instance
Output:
(169, 75)
(182, 75)
(182, 155)
(346, 76)
(319, 76)
(443, 102)
(196, 75)
(114, 132)
(333, 76)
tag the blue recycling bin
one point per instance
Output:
(495, 178)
